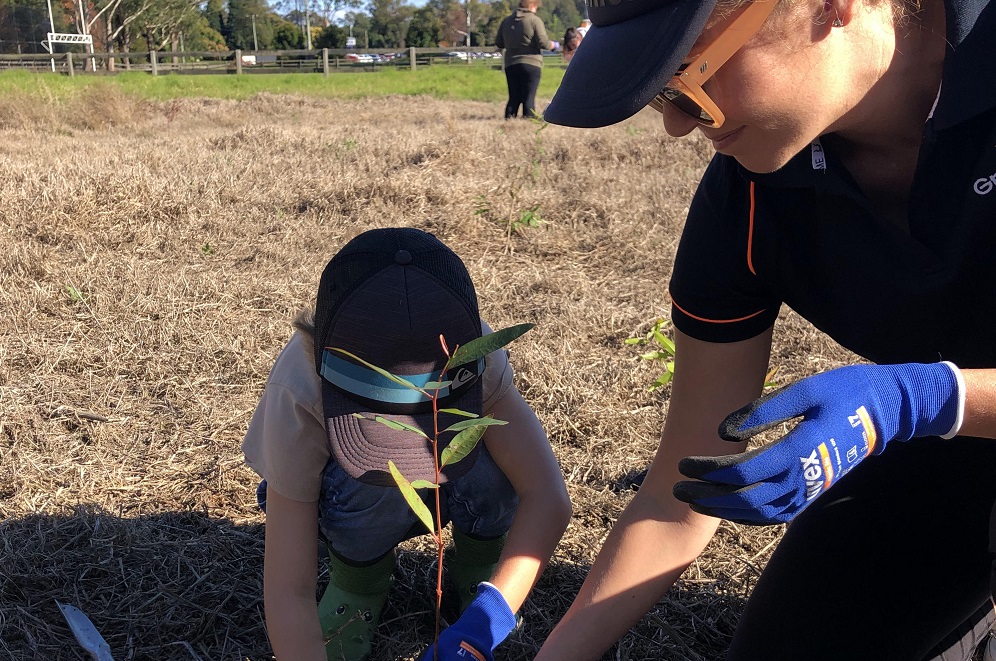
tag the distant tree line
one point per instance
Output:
(220, 25)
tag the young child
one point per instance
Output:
(386, 297)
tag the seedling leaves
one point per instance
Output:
(482, 346)
(467, 424)
(461, 445)
(384, 373)
(437, 385)
(400, 426)
(465, 414)
(412, 498)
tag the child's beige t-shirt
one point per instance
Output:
(286, 442)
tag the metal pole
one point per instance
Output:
(255, 44)
(51, 46)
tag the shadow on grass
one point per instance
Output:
(187, 586)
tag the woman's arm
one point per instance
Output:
(980, 403)
(657, 536)
(523, 453)
(290, 574)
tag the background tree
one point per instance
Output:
(389, 21)
(216, 16)
(240, 24)
(25, 23)
(332, 36)
(425, 29)
(558, 15)
(286, 35)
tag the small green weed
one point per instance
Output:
(662, 351)
(76, 297)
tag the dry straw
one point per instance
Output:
(153, 257)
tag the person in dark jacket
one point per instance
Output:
(522, 38)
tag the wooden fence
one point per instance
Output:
(238, 62)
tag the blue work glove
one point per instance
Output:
(847, 414)
(483, 626)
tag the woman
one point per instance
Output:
(386, 297)
(855, 187)
(522, 37)
(572, 39)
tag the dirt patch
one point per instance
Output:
(152, 261)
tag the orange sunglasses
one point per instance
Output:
(685, 92)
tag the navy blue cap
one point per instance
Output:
(629, 54)
(386, 298)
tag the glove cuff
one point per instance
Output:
(960, 414)
(489, 612)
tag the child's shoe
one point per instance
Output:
(350, 608)
(472, 561)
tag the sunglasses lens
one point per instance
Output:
(685, 104)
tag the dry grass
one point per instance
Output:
(153, 256)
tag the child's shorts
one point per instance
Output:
(362, 522)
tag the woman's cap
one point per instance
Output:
(630, 53)
(385, 298)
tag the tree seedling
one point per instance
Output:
(468, 433)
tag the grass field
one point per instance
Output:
(456, 81)
(155, 251)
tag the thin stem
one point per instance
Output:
(439, 514)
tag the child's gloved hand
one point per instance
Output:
(847, 414)
(483, 626)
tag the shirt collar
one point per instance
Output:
(969, 64)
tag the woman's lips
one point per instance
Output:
(726, 139)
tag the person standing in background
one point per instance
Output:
(583, 28)
(522, 38)
(572, 39)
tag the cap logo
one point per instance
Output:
(462, 378)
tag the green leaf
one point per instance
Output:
(482, 346)
(667, 343)
(634, 340)
(411, 497)
(400, 426)
(465, 414)
(476, 422)
(461, 445)
(436, 385)
(424, 484)
(382, 372)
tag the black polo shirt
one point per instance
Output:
(806, 236)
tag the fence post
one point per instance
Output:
(411, 57)
(69, 62)
(153, 58)
(238, 62)
(325, 62)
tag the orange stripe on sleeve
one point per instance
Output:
(750, 232)
(714, 321)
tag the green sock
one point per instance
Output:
(367, 579)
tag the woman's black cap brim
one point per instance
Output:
(620, 66)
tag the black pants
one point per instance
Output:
(892, 563)
(523, 81)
